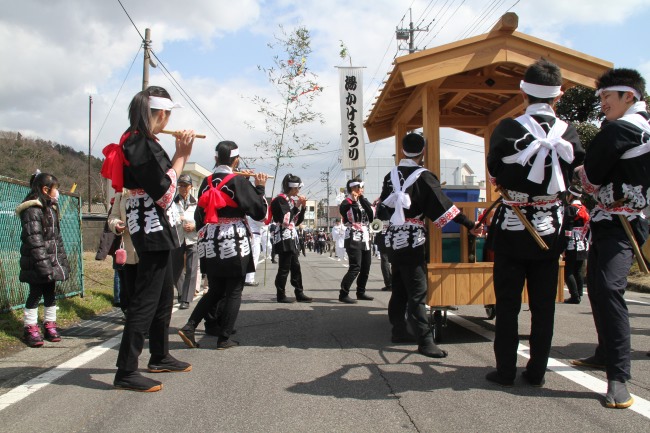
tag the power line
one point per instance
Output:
(187, 97)
(114, 100)
(129, 16)
(174, 82)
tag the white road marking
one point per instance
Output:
(640, 406)
(39, 382)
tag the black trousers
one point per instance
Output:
(510, 275)
(36, 291)
(222, 301)
(409, 296)
(386, 270)
(288, 262)
(573, 275)
(610, 259)
(127, 275)
(359, 269)
(150, 309)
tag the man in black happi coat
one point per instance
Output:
(616, 174)
(531, 158)
(414, 193)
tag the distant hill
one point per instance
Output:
(21, 156)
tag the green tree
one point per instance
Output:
(287, 115)
(580, 106)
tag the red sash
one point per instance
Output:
(214, 199)
(113, 167)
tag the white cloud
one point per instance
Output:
(61, 51)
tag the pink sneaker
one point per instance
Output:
(32, 336)
(51, 333)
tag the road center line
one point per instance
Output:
(640, 406)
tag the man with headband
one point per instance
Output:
(413, 193)
(615, 173)
(531, 161)
(356, 212)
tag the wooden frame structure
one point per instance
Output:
(469, 85)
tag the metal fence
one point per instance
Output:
(13, 293)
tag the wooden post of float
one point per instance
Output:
(431, 127)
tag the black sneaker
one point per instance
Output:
(301, 297)
(227, 344)
(347, 299)
(532, 381)
(187, 335)
(572, 300)
(285, 300)
(169, 364)
(364, 297)
(253, 284)
(430, 350)
(495, 377)
(134, 381)
(184, 306)
(592, 362)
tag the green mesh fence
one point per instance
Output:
(13, 293)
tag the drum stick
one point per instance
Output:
(643, 267)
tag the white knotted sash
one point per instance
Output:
(398, 199)
(541, 146)
(631, 116)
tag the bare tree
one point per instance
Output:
(286, 115)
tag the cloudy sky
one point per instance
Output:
(55, 53)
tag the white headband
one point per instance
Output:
(411, 155)
(359, 184)
(539, 91)
(620, 89)
(157, 103)
(295, 185)
(234, 152)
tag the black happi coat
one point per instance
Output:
(150, 178)
(620, 185)
(509, 234)
(42, 256)
(406, 243)
(286, 216)
(225, 247)
(357, 216)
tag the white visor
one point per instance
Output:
(620, 89)
(295, 185)
(359, 184)
(157, 103)
(234, 152)
(539, 91)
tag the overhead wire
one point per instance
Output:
(115, 100)
(487, 12)
(174, 82)
(507, 10)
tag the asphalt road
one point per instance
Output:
(323, 367)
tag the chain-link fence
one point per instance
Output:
(13, 293)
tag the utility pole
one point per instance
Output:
(326, 178)
(147, 58)
(409, 34)
(90, 116)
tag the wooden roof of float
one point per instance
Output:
(476, 79)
